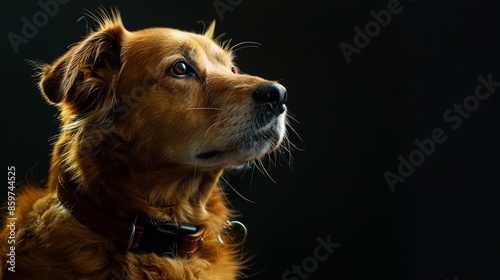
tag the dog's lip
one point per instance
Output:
(208, 154)
(226, 157)
(258, 137)
(214, 153)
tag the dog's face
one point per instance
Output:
(173, 96)
(200, 111)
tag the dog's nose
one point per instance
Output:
(272, 95)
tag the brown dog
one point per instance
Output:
(149, 121)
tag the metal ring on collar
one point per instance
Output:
(231, 224)
(132, 233)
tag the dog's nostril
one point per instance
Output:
(272, 94)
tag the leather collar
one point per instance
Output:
(138, 234)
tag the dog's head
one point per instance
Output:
(172, 96)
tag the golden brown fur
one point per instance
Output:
(132, 134)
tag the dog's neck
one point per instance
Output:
(164, 196)
(166, 192)
(142, 207)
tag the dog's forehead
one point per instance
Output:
(172, 42)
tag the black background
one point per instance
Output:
(353, 121)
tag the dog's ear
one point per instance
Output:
(210, 30)
(83, 77)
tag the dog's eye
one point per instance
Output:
(180, 69)
(233, 69)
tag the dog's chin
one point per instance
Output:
(254, 146)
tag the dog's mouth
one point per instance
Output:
(249, 147)
(209, 154)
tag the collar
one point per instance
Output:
(138, 234)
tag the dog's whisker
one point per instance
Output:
(225, 196)
(215, 125)
(253, 173)
(234, 190)
(217, 39)
(287, 151)
(242, 86)
(260, 166)
(223, 191)
(243, 45)
(247, 167)
(288, 148)
(226, 43)
(271, 160)
(292, 146)
(292, 129)
(195, 171)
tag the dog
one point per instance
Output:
(150, 119)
